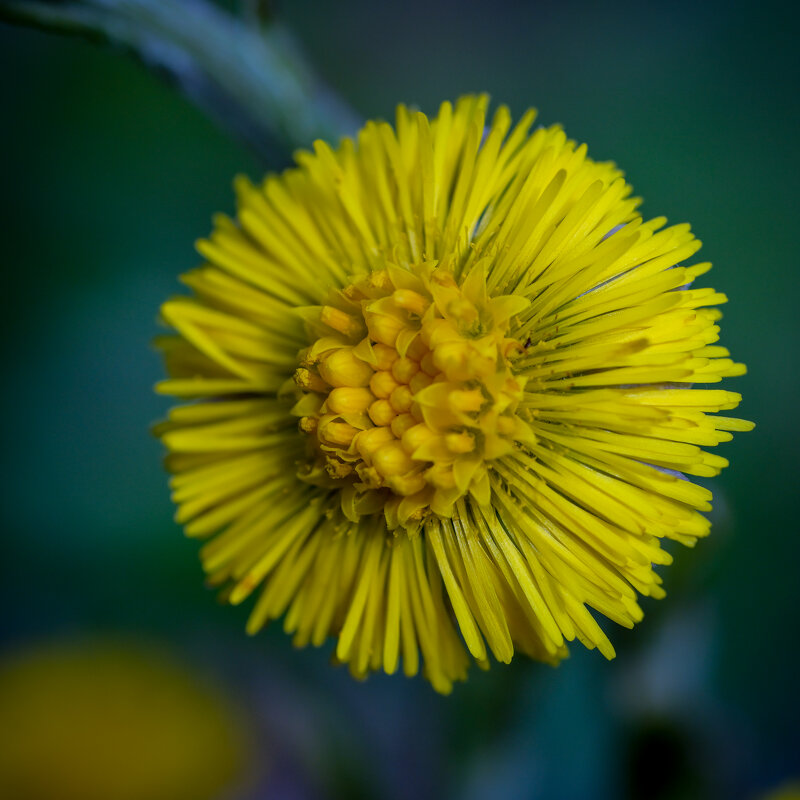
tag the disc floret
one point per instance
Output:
(408, 391)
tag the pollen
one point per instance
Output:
(410, 383)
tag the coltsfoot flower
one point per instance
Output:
(441, 395)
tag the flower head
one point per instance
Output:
(441, 388)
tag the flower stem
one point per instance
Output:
(250, 78)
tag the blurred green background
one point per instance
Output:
(108, 177)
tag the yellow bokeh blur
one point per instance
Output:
(787, 791)
(108, 720)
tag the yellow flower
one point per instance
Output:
(441, 384)
(787, 791)
(106, 720)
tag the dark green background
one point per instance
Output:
(107, 179)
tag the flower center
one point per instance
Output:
(408, 392)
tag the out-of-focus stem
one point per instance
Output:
(252, 78)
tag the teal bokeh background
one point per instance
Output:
(108, 177)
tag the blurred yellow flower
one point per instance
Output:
(787, 791)
(108, 721)
(440, 384)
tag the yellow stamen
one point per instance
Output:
(441, 476)
(370, 440)
(467, 400)
(338, 469)
(337, 433)
(308, 424)
(310, 381)
(411, 301)
(463, 310)
(404, 369)
(401, 423)
(428, 366)
(406, 485)
(340, 321)
(401, 399)
(347, 400)
(384, 328)
(416, 436)
(392, 459)
(342, 368)
(382, 384)
(381, 412)
(384, 356)
(419, 382)
(462, 442)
